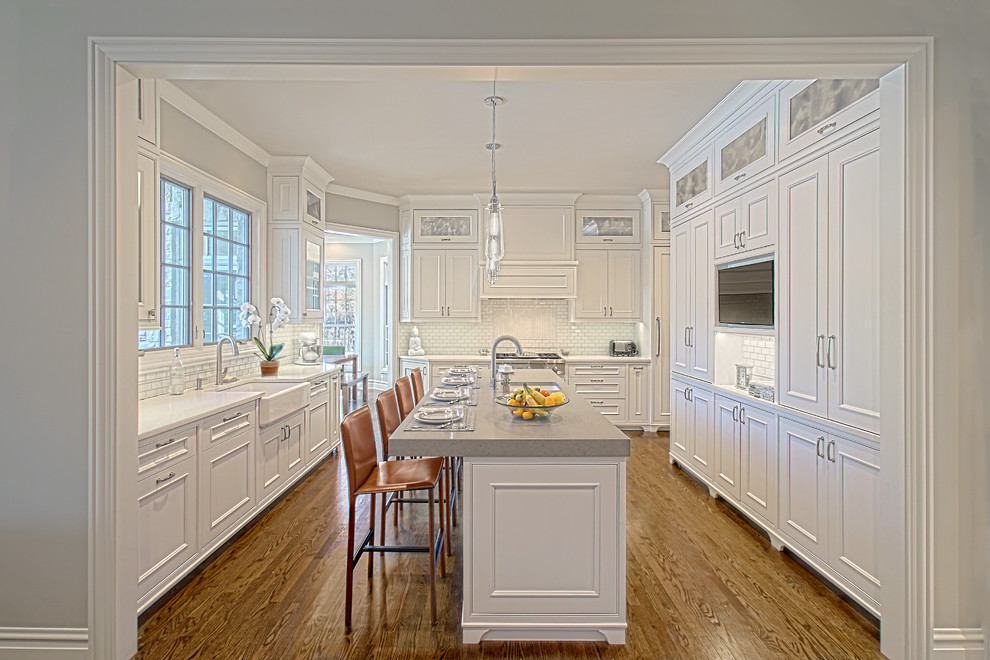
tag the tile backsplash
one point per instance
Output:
(760, 352)
(538, 324)
(154, 381)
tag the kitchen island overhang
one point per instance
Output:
(544, 518)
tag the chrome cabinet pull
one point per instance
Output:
(742, 414)
(659, 337)
(738, 176)
(597, 380)
(735, 413)
(828, 352)
(820, 446)
(690, 394)
(827, 127)
(830, 450)
(686, 336)
(742, 239)
(818, 350)
(692, 336)
(448, 310)
(688, 205)
(604, 311)
(171, 475)
(611, 310)
(735, 240)
(227, 419)
(164, 444)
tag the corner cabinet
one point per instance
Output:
(295, 269)
(608, 284)
(444, 284)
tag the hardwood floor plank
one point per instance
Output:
(702, 583)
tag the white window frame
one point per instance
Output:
(202, 183)
(358, 289)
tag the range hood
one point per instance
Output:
(539, 248)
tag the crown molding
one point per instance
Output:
(530, 199)
(654, 196)
(190, 107)
(435, 202)
(368, 196)
(616, 202)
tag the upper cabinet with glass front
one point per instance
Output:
(446, 226)
(812, 110)
(608, 227)
(746, 148)
(692, 181)
(297, 189)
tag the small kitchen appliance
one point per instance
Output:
(622, 348)
(310, 351)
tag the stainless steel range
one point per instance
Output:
(553, 361)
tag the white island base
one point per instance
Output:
(544, 549)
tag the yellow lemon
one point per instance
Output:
(517, 412)
(527, 414)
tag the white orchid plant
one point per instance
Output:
(278, 316)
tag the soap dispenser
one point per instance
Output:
(176, 375)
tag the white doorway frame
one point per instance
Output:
(906, 265)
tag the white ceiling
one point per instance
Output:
(423, 130)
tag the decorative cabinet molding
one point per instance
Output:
(747, 225)
(814, 110)
(608, 227)
(746, 148)
(147, 110)
(446, 226)
(149, 242)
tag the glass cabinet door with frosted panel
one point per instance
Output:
(604, 227)
(446, 226)
(312, 291)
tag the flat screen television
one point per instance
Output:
(746, 295)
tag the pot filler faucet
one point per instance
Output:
(233, 351)
(509, 338)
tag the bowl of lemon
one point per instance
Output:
(532, 403)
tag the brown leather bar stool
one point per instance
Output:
(367, 476)
(416, 376)
(404, 393)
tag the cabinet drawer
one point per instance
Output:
(167, 449)
(228, 423)
(814, 110)
(589, 386)
(611, 408)
(319, 390)
(577, 370)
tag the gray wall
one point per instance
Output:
(189, 141)
(362, 213)
(43, 255)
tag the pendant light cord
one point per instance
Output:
(494, 144)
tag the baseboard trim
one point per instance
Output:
(959, 644)
(23, 643)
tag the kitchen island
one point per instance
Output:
(543, 518)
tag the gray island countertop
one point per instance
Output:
(576, 430)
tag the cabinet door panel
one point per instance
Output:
(681, 420)
(428, 283)
(285, 271)
(624, 275)
(294, 448)
(746, 148)
(813, 110)
(691, 182)
(270, 471)
(637, 409)
(227, 488)
(149, 242)
(758, 218)
(661, 330)
(285, 198)
(802, 281)
(758, 467)
(703, 449)
(680, 308)
(318, 428)
(854, 284)
(703, 287)
(726, 455)
(592, 284)
(313, 275)
(462, 276)
(166, 523)
(854, 551)
(726, 229)
(803, 486)
(538, 234)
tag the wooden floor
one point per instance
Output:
(702, 583)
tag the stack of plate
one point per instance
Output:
(444, 394)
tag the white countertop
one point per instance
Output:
(163, 413)
(576, 430)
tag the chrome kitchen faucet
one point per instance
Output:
(498, 340)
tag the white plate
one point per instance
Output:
(453, 371)
(456, 380)
(435, 416)
(445, 395)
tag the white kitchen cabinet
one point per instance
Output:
(538, 234)
(661, 331)
(149, 242)
(692, 438)
(812, 111)
(226, 485)
(295, 269)
(608, 227)
(693, 308)
(297, 191)
(410, 364)
(828, 362)
(661, 222)
(319, 419)
(336, 410)
(758, 462)
(147, 110)
(692, 182)
(285, 198)
(608, 284)
(829, 494)
(445, 284)
(725, 471)
(746, 148)
(281, 454)
(637, 394)
(446, 226)
(747, 225)
(166, 525)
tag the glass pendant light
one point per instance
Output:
(494, 244)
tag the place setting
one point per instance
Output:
(460, 376)
(453, 417)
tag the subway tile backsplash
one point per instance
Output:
(760, 352)
(538, 324)
(154, 382)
